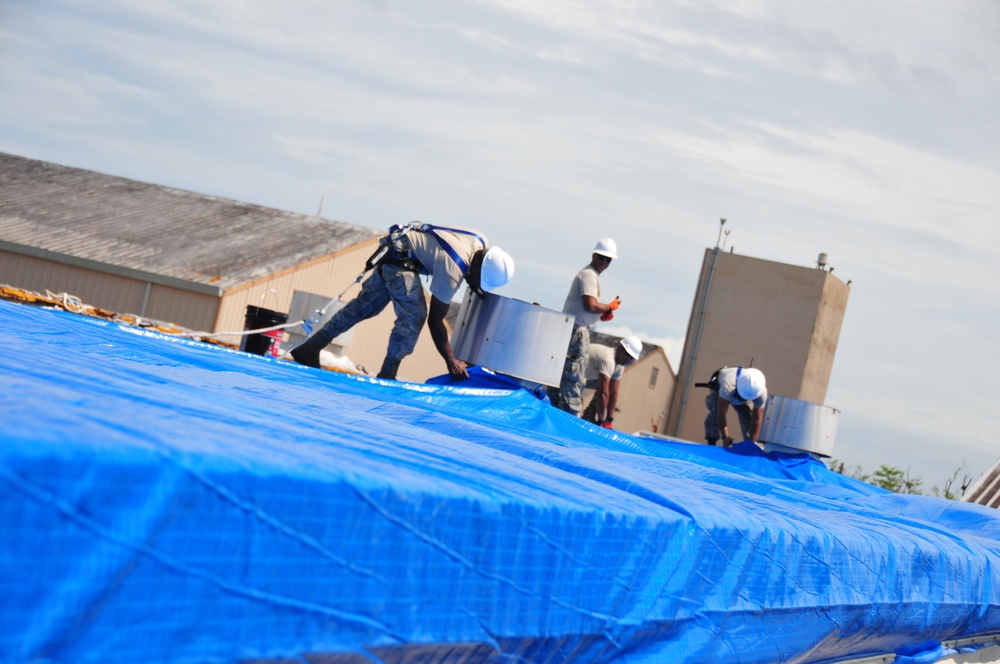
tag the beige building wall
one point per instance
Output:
(784, 318)
(329, 277)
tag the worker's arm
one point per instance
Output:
(612, 399)
(721, 407)
(601, 395)
(594, 306)
(440, 334)
(757, 418)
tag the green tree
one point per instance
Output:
(899, 481)
(963, 486)
(886, 477)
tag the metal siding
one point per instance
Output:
(117, 294)
(328, 277)
(985, 490)
(193, 311)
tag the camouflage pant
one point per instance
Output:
(569, 395)
(387, 283)
(712, 433)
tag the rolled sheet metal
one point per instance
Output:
(512, 337)
(801, 426)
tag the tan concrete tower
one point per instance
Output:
(784, 318)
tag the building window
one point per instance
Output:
(652, 376)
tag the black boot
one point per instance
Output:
(389, 369)
(307, 354)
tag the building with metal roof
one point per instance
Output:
(165, 254)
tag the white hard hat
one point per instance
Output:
(632, 346)
(750, 383)
(498, 268)
(606, 247)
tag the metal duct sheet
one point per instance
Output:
(799, 425)
(513, 337)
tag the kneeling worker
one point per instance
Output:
(447, 255)
(606, 366)
(746, 391)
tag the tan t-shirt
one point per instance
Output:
(446, 276)
(602, 362)
(586, 282)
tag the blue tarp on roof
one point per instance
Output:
(165, 500)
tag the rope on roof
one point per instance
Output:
(73, 304)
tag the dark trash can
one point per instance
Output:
(266, 343)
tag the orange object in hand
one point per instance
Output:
(607, 316)
(615, 303)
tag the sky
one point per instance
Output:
(868, 130)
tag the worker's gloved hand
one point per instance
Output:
(615, 303)
(608, 315)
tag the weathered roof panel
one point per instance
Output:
(156, 229)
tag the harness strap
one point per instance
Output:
(448, 249)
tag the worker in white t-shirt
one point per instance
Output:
(584, 303)
(744, 389)
(605, 368)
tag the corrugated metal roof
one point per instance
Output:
(986, 490)
(155, 229)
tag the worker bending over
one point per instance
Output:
(447, 255)
(583, 302)
(746, 392)
(605, 369)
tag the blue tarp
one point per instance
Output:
(166, 500)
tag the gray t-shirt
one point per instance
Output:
(446, 276)
(586, 282)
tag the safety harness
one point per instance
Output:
(713, 383)
(387, 251)
(397, 231)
